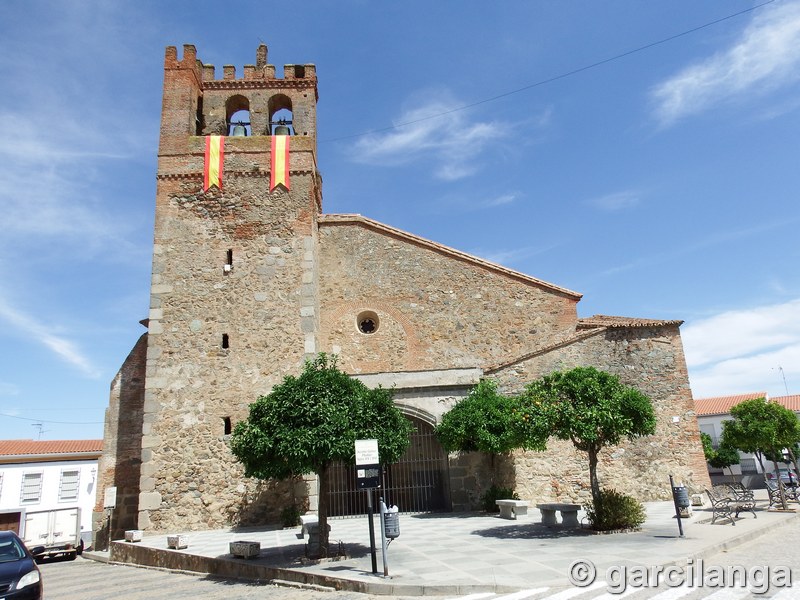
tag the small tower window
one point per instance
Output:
(226, 421)
(228, 266)
(225, 341)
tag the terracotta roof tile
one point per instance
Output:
(790, 402)
(721, 405)
(611, 321)
(34, 447)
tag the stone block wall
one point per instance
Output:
(650, 359)
(437, 308)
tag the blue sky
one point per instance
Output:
(661, 184)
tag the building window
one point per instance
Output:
(367, 322)
(68, 488)
(31, 488)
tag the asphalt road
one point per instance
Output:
(88, 580)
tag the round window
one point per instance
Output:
(367, 322)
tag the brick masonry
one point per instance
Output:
(247, 283)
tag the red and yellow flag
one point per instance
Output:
(280, 162)
(215, 154)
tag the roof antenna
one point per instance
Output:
(780, 368)
(40, 427)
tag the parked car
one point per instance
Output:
(787, 477)
(19, 576)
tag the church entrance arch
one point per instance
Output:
(417, 483)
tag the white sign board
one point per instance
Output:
(367, 452)
(110, 499)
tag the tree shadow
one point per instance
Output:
(532, 531)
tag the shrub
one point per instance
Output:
(290, 516)
(496, 493)
(617, 511)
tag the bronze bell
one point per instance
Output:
(282, 129)
(239, 130)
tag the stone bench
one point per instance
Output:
(307, 522)
(511, 509)
(569, 513)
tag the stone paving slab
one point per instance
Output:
(454, 553)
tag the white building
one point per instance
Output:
(712, 412)
(47, 475)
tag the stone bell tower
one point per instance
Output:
(233, 301)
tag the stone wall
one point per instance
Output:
(120, 464)
(437, 308)
(650, 359)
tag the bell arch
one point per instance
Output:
(280, 112)
(237, 115)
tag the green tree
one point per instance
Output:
(591, 408)
(762, 428)
(485, 421)
(723, 457)
(308, 422)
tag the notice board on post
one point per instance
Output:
(368, 466)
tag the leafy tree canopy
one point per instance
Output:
(307, 422)
(761, 426)
(722, 457)
(591, 408)
(484, 421)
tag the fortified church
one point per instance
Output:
(250, 278)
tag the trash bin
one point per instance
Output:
(681, 495)
(391, 523)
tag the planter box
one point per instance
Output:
(177, 542)
(133, 535)
(245, 549)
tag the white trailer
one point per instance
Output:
(59, 531)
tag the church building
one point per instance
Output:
(250, 278)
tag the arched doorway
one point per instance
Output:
(417, 483)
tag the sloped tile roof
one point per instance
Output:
(790, 402)
(611, 321)
(721, 405)
(54, 447)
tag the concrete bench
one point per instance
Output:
(306, 523)
(511, 509)
(569, 513)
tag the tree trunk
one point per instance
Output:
(322, 510)
(793, 456)
(594, 481)
(778, 479)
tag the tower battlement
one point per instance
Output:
(260, 71)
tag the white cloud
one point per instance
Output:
(451, 143)
(8, 389)
(741, 351)
(65, 349)
(765, 57)
(616, 201)
(512, 255)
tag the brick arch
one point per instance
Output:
(342, 310)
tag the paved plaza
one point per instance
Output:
(457, 553)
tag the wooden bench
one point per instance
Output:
(511, 509)
(569, 513)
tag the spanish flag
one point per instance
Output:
(215, 153)
(280, 162)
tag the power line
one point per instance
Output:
(556, 77)
(53, 422)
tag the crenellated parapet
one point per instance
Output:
(200, 100)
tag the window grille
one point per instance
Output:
(68, 488)
(748, 465)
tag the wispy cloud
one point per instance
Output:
(450, 144)
(740, 350)
(511, 256)
(65, 349)
(616, 201)
(766, 56)
(8, 389)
